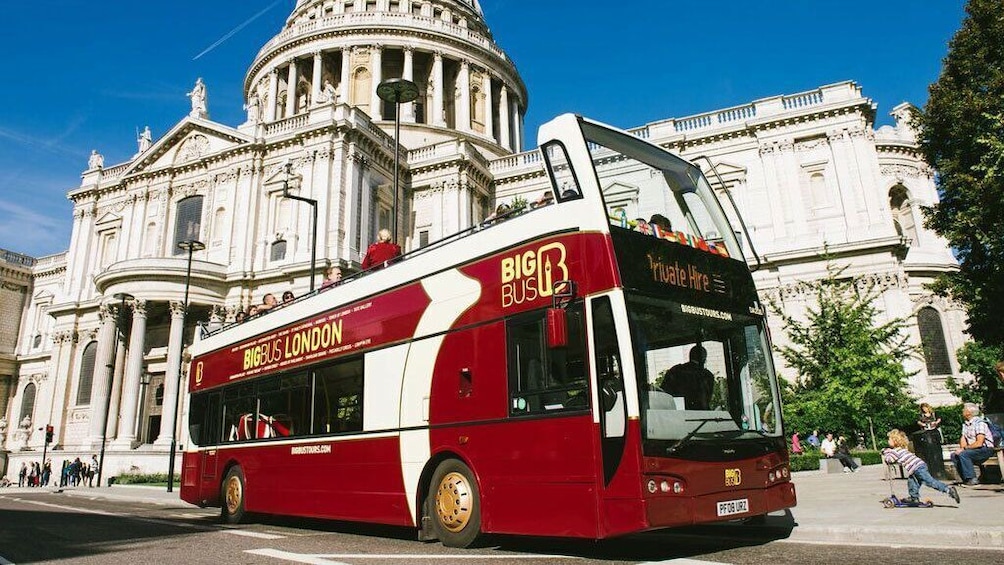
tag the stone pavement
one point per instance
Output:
(832, 509)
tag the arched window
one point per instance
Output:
(220, 224)
(108, 249)
(150, 240)
(278, 250)
(282, 215)
(87, 374)
(188, 223)
(27, 402)
(902, 212)
(932, 339)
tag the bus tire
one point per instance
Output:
(455, 504)
(232, 494)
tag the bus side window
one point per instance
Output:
(238, 412)
(282, 407)
(543, 379)
(338, 397)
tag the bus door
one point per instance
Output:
(210, 482)
(609, 384)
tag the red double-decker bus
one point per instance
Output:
(566, 370)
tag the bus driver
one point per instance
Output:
(691, 381)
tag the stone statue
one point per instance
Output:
(3, 431)
(199, 100)
(96, 161)
(328, 94)
(24, 433)
(145, 139)
(254, 108)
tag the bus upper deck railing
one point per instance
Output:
(493, 220)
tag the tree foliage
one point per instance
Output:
(850, 369)
(962, 137)
(977, 359)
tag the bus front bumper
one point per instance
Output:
(669, 511)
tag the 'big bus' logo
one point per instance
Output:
(530, 275)
(733, 477)
(198, 373)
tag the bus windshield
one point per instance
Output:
(702, 374)
(648, 190)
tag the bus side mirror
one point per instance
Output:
(557, 328)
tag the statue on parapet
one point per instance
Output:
(96, 160)
(329, 95)
(145, 139)
(199, 100)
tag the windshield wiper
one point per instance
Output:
(686, 439)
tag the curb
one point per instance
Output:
(984, 538)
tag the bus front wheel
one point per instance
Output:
(233, 496)
(456, 504)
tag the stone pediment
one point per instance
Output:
(730, 174)
(190, 141)
(108, 221)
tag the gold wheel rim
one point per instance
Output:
(454, 502)
(234, 494)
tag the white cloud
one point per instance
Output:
(25, 231)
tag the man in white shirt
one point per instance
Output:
(828, 447)
(975, 446)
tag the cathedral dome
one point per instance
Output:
(338, 51)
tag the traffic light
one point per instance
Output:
(48, 434)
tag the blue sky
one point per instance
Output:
(84, 75)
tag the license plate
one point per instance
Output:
(730, 507)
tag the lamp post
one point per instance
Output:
(191, 246)
(397, 91)
(144, 381)
(121, 297)
(288, 169)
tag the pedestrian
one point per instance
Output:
(93, 470)
(843, 454)
(813, 439)
(796, 445)
(46, 472)
(914, 468)
(975, 445)
(382, 252)
(22, 475)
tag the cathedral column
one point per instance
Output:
(376, 71)
(173, 372)
(486, 87)
(504, 139)
(343, 85)
(464, 105)
(408, 110)
(291, 90)
(273, 95)
(517, 131)
(126, 435)
(100, 386)
(315, 82)
(437, 92)
(116, 398)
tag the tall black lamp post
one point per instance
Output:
(121, 297)
(191, 246)
(397, 91)
(287, 168)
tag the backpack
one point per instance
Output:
(996, 432)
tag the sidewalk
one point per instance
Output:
(834, 509)
(846, 508)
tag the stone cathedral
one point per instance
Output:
(96, 345)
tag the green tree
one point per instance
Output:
(850, 369)
(977, 359)
(962, 137)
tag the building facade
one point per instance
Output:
(97, 346)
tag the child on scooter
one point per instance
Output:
(914, 468)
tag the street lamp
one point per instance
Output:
(121, 297)
(287, 168)
(397, 91)
(191, 246)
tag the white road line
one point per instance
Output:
(329, 558)
(248, 534)
(5, 562)
(683, 561)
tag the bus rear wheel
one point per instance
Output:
(455, 504)
(232, 495)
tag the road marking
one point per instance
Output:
(248, 534)
(328, 558)
(5, 562)
(683, 561)
(115, 515)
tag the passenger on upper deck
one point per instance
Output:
(332, 277)
(382, 252)
(268, 302)
(287, 297)
(640, 225)
(544, 200)
(661, 222)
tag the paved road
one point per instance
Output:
(47, 527)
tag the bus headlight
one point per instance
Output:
(651, 486)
